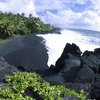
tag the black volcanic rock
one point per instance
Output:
(69, 50)
(90, 59)
(90, 65)
(97, 51)
(27, 51)
(95, 92)
(6, 69)
(73, 69)
(66, 66)
(85, 75)
(77, 71)
(72, 49)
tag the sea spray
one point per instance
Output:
(55, 43)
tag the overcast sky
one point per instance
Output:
(62, 13)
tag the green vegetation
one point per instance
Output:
(1, 41)
(16, 24)
(28, 86)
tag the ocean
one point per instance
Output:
(55, 42)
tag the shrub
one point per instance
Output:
(26, 86)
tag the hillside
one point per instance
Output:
(16, 24)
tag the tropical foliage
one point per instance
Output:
(30, 86)
(13, 24)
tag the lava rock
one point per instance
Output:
(69, 50)
(73, 70)
(6, 69)
(90, 59)
(71, 67)
(72, 61)
(97, 51)
(27, 51)
(55, 79)
(90, 65)
(72, 49)
(95, 93)
(67, 97)
(85, 75)
(77, 71)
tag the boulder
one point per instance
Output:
(85, 75)
(26, 52)
(71, 67)
(69, 63)
(73, 70)
(6, 69)
(97, 51)
(90, 65)
(69, 50)
(72, 49)
(77, 71)
(95, 92)
(68, 97)
(55, 79)
(91, 60)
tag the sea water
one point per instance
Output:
(55, 43)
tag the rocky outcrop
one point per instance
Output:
(76, 70)
(26, 52)
(73, 69)
(6, 69)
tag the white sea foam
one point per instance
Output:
(55, 43)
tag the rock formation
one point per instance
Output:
(27, 51)
(6, 69)
(76, 70)
(73, 69)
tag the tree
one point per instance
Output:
(19, 24)
(30, 15)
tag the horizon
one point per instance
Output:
(79, 14)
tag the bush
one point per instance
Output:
(30, 86)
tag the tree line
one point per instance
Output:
(17, 24)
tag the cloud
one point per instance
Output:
(18, 6)
(62, 13)
(79, 1)
(66, 16)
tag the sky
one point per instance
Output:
(60, 13)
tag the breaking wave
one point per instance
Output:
(55, 43)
